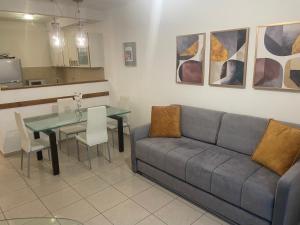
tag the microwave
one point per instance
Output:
(35, 82)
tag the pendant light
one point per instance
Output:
(81, 38)
(55, 35)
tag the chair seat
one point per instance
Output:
(73, 129)
(113, 126)
(39, 144)
(82, 138)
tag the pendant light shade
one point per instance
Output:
(81, 38)
(55, 35)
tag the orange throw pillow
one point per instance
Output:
(279, 148)
(165, 121)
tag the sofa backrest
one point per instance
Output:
(200, 124)
(241, 133)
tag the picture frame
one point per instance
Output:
(129, 49)
(190, 59)
(228, 58)
(277, 66)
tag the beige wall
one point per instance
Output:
(27, 41)
(80, 74)
(154, 25)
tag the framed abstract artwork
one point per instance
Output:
(228, 58)
(129, 53)
(277, 61)
(190, 59)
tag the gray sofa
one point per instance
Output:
(211, 166)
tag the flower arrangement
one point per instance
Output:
(78, 99)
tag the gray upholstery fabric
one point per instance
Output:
(199, 168)
(228, 179)
(154, 150)
(135, 135)
(287, 203)
(224, 210)
(200, 124)
(258, 194)
(169, 154)
(241, 133)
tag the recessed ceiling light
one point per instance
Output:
(28, 17)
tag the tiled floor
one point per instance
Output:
(107, 194)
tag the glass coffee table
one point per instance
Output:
(40, 221)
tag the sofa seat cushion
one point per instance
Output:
(169, 154)
(258, 194)
(199, 169)
(228, 179)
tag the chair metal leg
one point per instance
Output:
(60, 140)
(98, 150)
(28, 164)
(22, 155)
(113, 138)
(49, 154)
(108, 151)
(68, 145)
(88, 155)
(77, 144)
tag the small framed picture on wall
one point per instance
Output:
(129, 49)
(190, 59)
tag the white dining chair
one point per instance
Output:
(29, 145)
(66, 105)
(96, 132)
(112, 125)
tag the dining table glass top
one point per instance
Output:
(39, 221)
(56, 120)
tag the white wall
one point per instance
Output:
(154, 26)
(26, 41)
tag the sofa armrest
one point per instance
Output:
(287, 199)
(137, 134)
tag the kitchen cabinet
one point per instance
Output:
(71, 56)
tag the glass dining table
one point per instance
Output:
(48, 123)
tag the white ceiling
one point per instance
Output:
(93, 4)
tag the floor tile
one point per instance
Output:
(153, 199)
(16, 198)
(1, 216)
(126, 213)
(195, 207)
(13, 184)
(80, 211)
(215, 218)
(60, 199)
(90, 186)
(151, 220)
(178, 213)
(132, 186)
(49, 188)
(31, 209)
(76, 173)
(115, 175)
(98, 220)
(205, 220)
(106, 199)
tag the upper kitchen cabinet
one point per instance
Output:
(72, 56)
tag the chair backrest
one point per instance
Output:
(66, 105)
(25, 139)
(96, 131)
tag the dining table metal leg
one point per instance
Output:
(54, 153)
(120, 132)
(39, 154)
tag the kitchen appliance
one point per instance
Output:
(10, 71)
(35, 82)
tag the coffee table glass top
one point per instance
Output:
(39, 221)
(55, 120)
